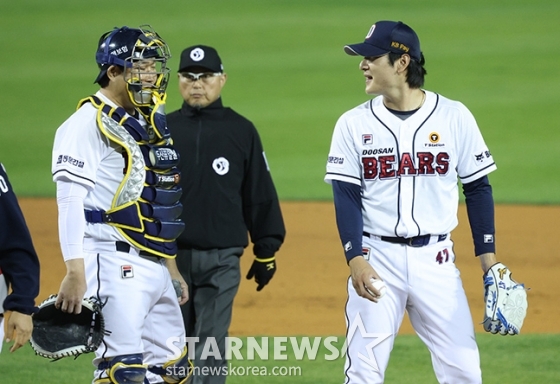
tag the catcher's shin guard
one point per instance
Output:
(178, 371)
(121, 370)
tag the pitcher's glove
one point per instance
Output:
(262, 270)
(58, 334)
(505, 301)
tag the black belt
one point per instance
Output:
(418, 241)
(121, 246)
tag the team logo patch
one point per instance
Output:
(221, 166)
(367, 139)
(480, 157)
(434, 137)
(127, 272)
(366, 252)
(197, 54)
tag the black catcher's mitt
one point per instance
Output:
(58, 334)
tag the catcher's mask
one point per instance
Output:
(143, 55)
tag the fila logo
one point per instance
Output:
(127, 272)
(367, 139)
(366, 252)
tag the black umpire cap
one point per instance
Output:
(200, 56)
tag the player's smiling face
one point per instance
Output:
(379, 74)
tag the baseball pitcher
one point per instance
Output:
(394, 165)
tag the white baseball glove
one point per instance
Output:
(505, 302)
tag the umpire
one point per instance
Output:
(228, 192)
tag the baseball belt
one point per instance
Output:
(417, 241)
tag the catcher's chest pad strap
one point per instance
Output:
(146, 209)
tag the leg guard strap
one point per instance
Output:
(121, 370)
(178, 371)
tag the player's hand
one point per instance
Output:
(362, 272)
(181, 288)
(179, 283)
(18, 328)
(262, 270)
(72, 288)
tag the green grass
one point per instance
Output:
(512, 360)
(288, 74)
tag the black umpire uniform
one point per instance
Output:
(19, 264)
(228, 193)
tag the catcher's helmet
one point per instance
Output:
(127, 48)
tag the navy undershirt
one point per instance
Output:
(349, 220)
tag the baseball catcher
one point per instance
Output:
(505, 301)
(58, 334)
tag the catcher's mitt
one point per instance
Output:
(58, 334)
(505, 301)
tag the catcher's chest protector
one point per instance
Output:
(146, 208)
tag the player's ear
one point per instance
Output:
(113, 71)
(402, 63)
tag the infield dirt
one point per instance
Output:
(308, 293)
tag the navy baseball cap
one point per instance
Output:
(200, 56)
(387, 36)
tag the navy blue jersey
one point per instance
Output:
(18, 259)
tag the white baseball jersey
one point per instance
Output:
(408, 169)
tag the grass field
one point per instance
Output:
(513, 360)
(288, 73)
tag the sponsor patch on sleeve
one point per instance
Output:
(336, 160)
(65, 159)
(482, 157)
